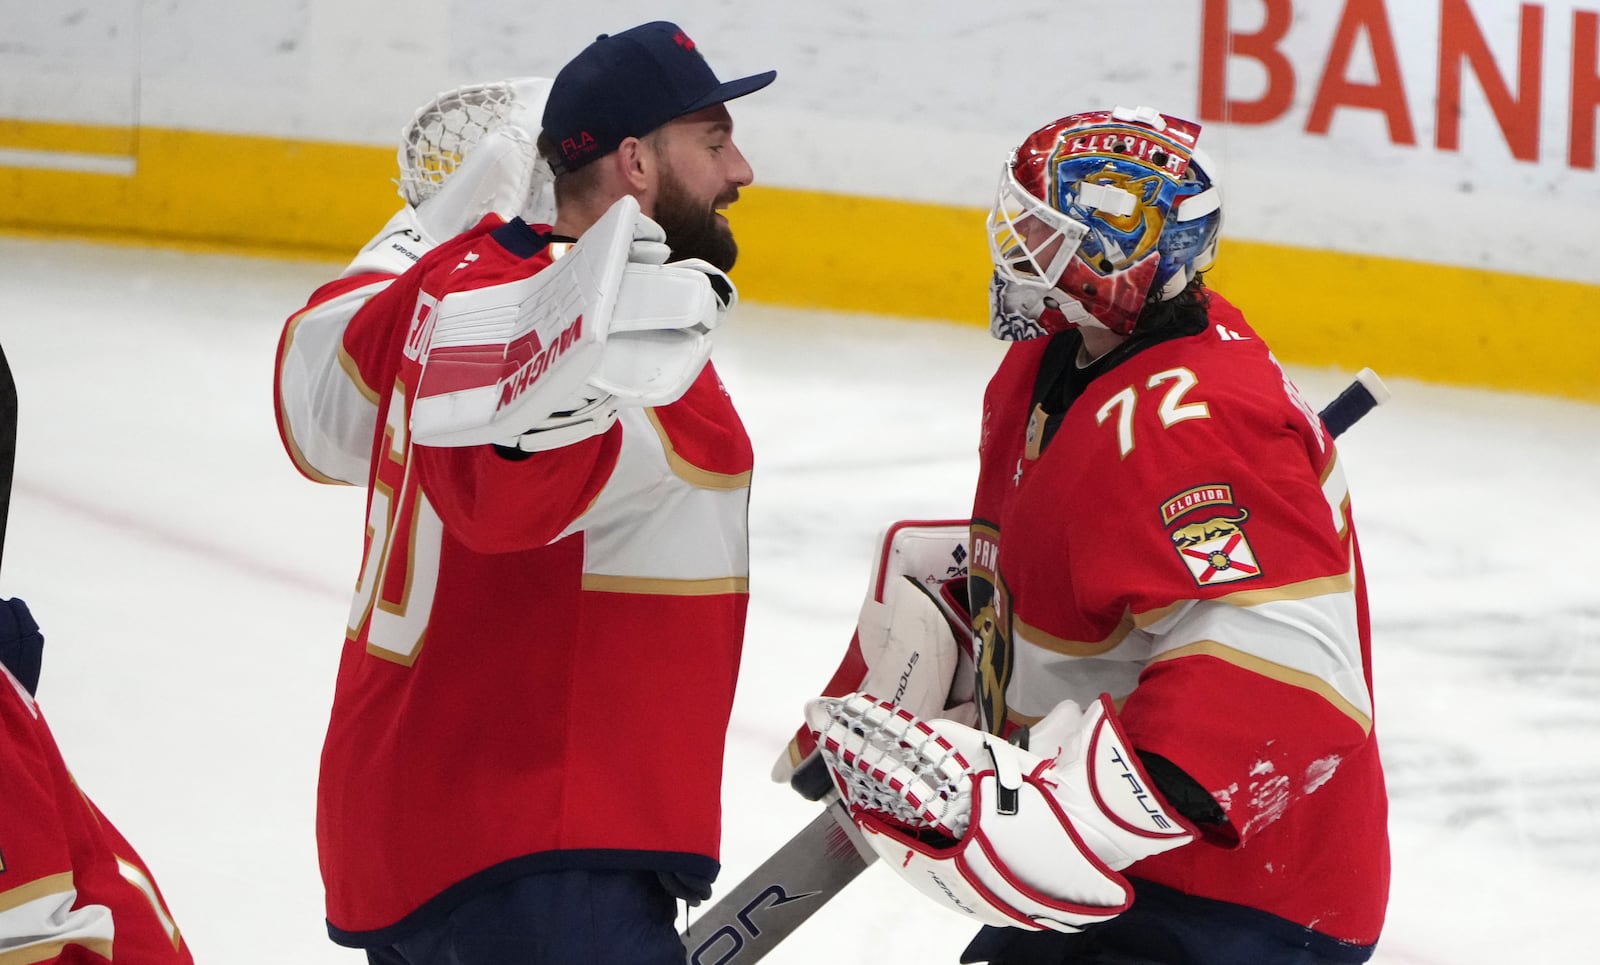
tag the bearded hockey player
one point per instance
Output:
(557, 490)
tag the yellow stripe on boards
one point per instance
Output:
(229, 192)
(812, 249)
(1459, 326)
(70, 138)
(855, 254)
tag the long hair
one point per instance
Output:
(1184, 314)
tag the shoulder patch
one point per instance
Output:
(1212, 494)
(1214, 545)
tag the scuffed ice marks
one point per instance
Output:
(1269, 797)
(1493, 669)
(1271, 793)
(1320, 771)
(1550, 811)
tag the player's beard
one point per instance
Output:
(692, 227)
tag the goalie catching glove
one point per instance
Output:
(547, 360)
(1007, 836)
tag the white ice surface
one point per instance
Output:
(193, 590)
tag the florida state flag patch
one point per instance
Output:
(1213, 545)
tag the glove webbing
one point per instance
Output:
(894, 765)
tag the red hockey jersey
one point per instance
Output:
(1181, 538)
(541, 655)
(72, 889)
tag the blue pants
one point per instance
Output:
(552, 918)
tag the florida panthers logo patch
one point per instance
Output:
(1214, 547)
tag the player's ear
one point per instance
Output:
(636, 162)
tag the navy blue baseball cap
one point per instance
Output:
(627, 85)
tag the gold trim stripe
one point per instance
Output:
(354, 372)
(1341, 513)
(692, 474)
(57, 884)
(1328, 470)
(1273, 671)
(655, 586)
(52, 950)
(1073, 648)
(135, 876)
(1304, 590)
(394, 656)
(295, 453)
(1308, 589)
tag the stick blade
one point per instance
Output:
(766, 907)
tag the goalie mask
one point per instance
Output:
(1097, 215)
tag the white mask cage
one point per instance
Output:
(1030, 242)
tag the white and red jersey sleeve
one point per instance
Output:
(326, 412)
(491, 503)
(326, 407)
(72, 889)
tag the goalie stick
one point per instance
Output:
(1358, 398)
(773, 900)
(827, 854)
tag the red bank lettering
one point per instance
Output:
(1363, 19)
(1361, 70)
(1461, 40)
(1218, 43)
(1585, 88)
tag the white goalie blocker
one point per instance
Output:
(547, 360)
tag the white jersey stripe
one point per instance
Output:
(37, 921)
(328, 413)
(689, 535)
